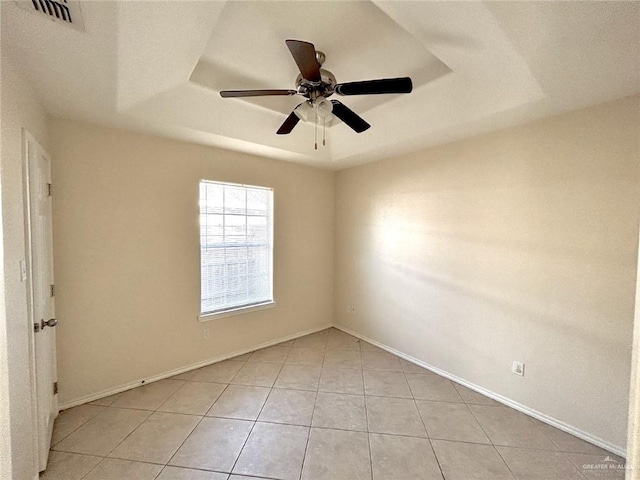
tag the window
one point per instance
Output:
(236, 247)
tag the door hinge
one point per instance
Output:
(53, 290)
(55, 388)
(48, 189)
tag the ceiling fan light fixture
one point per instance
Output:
(304, 111)
(323, 106)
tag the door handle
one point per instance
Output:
(52, 322)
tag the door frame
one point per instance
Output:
(633, 433)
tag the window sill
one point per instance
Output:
(206, 317)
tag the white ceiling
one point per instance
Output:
(391, 52)
(476, 66)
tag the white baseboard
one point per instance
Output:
(587, 437)
(178, 371)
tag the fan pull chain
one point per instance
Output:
(316, 130)
(324, 122)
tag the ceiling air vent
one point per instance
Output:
(64, 11)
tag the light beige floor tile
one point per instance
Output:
(366, 346)
(529, 464)
(68, 466)
(257, 374)
(178, 473)
(432, 387)
(214, 445)
(112, 469)
(451, 421)
(193, 398)
(386, 384)
(221, 372)
(103, 432)
(242, 477)
(373, 360)
(398, 416)
(409, 367)
(298, 377)
(341, 411)
(293, 407)
(105, 401)
(341, 380)
(275, 451)
(568, 443)
(342, 341)
(474, 398)
(316, 340)
(240, 401)
(184, 376)
(395, 457)
(342, 359)
(275, 354)
(509, 428)
(337, 455)
(157, 439)
(288, 343)
(309, 357)
(470, 461)
(598, 467)
(148, 397)
(69, 420)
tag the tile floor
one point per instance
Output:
(323, 407)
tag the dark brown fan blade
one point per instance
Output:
(291, 121)
(254, 93)
(375, 87)
(304, 53)
(349, 117)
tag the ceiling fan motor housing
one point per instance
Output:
(324, 88)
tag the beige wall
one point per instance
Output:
(517, 245)
(126, 236)
(20, 109)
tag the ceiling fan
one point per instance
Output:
(317, 84)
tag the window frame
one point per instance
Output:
(240, 308)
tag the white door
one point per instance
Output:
(41, 290)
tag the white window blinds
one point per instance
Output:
(236, 246)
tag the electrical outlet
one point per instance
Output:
(205, 333)
(517, 368)
(351, 309)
